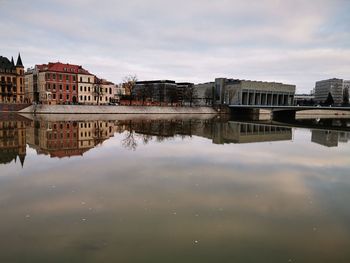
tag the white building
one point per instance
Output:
(86, 88)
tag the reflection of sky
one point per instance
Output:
(266, 202)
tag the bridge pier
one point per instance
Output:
(283, 115)
(251, 114)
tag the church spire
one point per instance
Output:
(12, 61)
(19, 61)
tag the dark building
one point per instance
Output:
(11, 80)
(161, 91)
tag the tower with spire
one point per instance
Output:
(12, 80)
(20, 79)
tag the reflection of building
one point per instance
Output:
(57, 139)
(92, 133)
(219, 132)
(12, 140)
(11, 80)
(332, 86)
(235, 132)
(67, 138)
(344, 137)
(325, 138)
(246, 92)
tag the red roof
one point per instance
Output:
(61, 67)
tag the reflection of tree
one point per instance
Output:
(129, 142)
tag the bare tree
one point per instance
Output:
(190, 94)
(128, 84)
(98, 90)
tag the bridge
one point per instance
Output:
(278, 111)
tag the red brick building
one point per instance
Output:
(54, 83)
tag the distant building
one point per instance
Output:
(304, 99)
(332, 86)
(346, 88)
(11, 80)
(162, 91)
(245, 92)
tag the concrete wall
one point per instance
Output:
(85, 109)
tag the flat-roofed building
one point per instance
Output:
(246, 92)
(333, 86)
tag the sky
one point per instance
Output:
(291, 41)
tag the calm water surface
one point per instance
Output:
(167, 189)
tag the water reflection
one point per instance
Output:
(183, 189)
(68, 138)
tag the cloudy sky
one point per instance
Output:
(292, 41)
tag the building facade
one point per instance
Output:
(86, 84)
(246, 92)
(57, 83)
(162, 92)
(11, 80)
(333, 86)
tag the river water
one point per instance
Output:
(173, 189)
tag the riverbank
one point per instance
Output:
(87, 109)
(323, 114)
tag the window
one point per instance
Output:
(110, 90)
(60, 96)
(81, 88)
(85, 88)
(54, 86)
(67, 97)
(84, 97)
(81, 98)
(67, 77)
(54, 96)
(60, 86)
(67, 87)
(89, 80)
(73, 77)
(60, 77)
(81, 79)
(54, 76)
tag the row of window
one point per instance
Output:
(88, 89)
(48, 87)
(88, 98)
(67, 77)
(8, 80)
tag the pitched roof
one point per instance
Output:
(19, 61)
(5, 63)
(61, 67)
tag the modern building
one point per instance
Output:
(333, 86)
(55, 83)
(304, 99)
(11, 80)
(346, 89)
(245, 92)
(163, 92)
